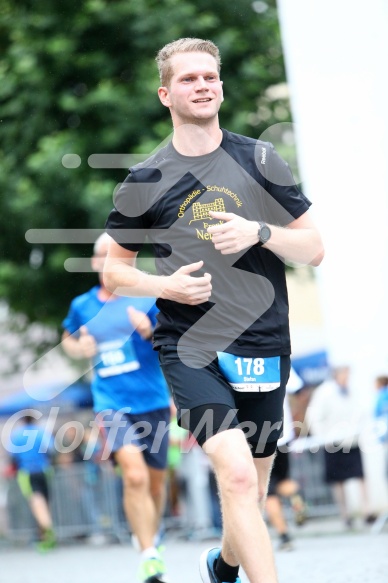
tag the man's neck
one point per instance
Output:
(196, 140)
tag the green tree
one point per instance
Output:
(80, 78)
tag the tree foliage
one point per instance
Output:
(80, 77)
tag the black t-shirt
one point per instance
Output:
(167, 199)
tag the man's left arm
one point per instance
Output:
(299, 241)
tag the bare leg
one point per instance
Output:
(40, 510)
(287, 488)
(173, 492)
(340, 498)
(142, 508)
(275, 514)
(263, 468)
(364, 498)
(242, 484)
(158, 493)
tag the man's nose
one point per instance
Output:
(201, 83)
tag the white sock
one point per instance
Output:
(136, 544)
(150, 553)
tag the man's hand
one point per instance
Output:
(234, 235)
(181, 287)
(86, 344)
(141, 322)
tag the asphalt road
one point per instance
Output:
(321, 555)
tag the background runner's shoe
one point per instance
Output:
(48, 541)
(285, 542)
(153, 571)
(299, 507)
(206, 566)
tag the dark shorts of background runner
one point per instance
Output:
(280, 471)
(199, 390)
(36, 483)
(343, 465)
(147, 431)
(39, 484)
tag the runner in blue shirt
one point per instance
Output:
(131, 400)
(30, 449)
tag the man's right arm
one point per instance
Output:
(121, 277)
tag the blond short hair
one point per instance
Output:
(183, 45)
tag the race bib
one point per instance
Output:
(116, 357)
(251, 375)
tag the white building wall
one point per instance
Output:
(336, 59)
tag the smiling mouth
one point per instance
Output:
(204, 100)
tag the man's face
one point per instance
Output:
(195, 92)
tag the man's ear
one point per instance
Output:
(94, 263)
(164, 96)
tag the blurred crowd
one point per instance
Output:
(70, 466)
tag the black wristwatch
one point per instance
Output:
(264, 233)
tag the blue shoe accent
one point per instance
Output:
(206, 566)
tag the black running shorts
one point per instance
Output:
(205, 391)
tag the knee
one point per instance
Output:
(239, 479)
(135, 478)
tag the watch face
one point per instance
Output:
(265, 233)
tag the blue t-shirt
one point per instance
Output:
(127, 374)
(381, 410)
(29, 447)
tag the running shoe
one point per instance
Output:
(48, 542)
(299, 507)
(285, 542)
(153, 571)
(206, 566)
